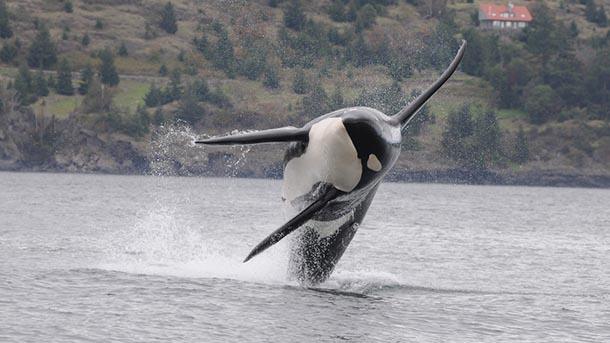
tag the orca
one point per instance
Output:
(332, 169)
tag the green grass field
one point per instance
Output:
(129, 95)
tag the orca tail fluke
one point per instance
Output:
(282, 134)
(404, 116)
(295, 222)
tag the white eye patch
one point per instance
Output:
(373, 163)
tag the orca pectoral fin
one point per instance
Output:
(295, 222)
(282, 134)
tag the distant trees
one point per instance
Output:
(68, 7)
(64, 78)
(107, 70)
(40, 84)
(86, 78)
(271, 80)
(5, 25)
(294, 16)
(86, 39)
(472, 142)
(168, 19)
(24, 85)
(42, 52)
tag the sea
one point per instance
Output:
(109, 258)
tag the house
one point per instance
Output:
(493, 16)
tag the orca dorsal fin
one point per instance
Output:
(404, 116)
(282, 134)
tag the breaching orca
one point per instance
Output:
(332, 169)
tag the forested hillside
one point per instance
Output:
(97, 85)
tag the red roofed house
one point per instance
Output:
(499, 17)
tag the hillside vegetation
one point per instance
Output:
(87, 85)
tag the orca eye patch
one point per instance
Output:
(373, 163)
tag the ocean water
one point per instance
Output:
(98, 258)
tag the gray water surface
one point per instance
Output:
(145, 259)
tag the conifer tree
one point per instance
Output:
(271, 80)
(86, 77)
(152, 98)
(602, 19)
(123, 50)
(163, 70)
(168, 19)
(42, 52)
(86, 39)
(299, 84)
(68, 7)
(294, 17)
(159, 117)
(8, 53)
(24, 85)
(108, 73)
(5, 25)
(40, 83)
(64, 78)
(174, 90)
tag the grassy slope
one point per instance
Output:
(124, 21)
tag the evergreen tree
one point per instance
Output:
(602, 19)
(159, 117)
(86, 40)
(271, 80)
(174, 90)
(97, 99)
(99, 25)
(86, 77)
(541, 103)
(153, 97)
(200, 90)
(224, 57)
(123, 50)
(168, 19)
(108, 73)
(24, 85)
(294, 17)
(40, 83)
(64, 79)
(336, 11)
(163, 70)
(5, 25)
(189, 109)
(522, 152)
(574, 29)
(365, 17)
(42, 52)
(68, 7)
(8, 53)
(591, 11)
(299, 84)
(487, 136)
(459, 127)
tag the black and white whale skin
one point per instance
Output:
(332, 169)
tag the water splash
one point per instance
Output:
(164, 243)
(173, 150)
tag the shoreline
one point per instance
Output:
(449, 177)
